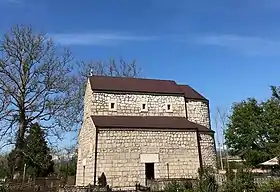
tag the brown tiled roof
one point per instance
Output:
(133, 85)
(190, 93)
(147, 122)
(127, 84)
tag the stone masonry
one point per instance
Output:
(198, 112)
(130, 104)
(121, 155)
(208, 150)
(120, 151)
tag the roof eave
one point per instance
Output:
(118, 128)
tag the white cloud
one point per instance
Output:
(249, 45)
(96, 38)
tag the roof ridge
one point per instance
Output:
(136, 78)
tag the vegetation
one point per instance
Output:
(37, 153)
(3, 166)
(253, 130)
(67, 167)
(179, 187)
(37, 159)
(242, 181)
(205, 183)
(39, 84)
(102, 181)
(270, 186)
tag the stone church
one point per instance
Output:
(135, 130)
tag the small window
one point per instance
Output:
(169, 107)
(112, 106)
(144, 106)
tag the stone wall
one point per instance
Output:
(86, 154)
(197, 112)
(119, 152)
(119, 155)
(130, 104)
(208, 151)
(86, 144)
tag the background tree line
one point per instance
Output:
(253, 129)
(41, 95)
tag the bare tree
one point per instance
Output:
(36, 85)
(112, 67)
(222, 116)
(219, 142)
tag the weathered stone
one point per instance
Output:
(118, 152)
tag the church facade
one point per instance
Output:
(135, 130)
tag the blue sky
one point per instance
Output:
(227, 50)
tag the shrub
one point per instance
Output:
(102, 181)
(244, 181)
(207, 181)
(178, 187)
(270, 186)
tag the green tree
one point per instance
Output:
(3, 166)
(37, 153)
(67, 167)
(253, 130)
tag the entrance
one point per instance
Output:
(149, 171)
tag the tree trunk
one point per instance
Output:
(20, 143)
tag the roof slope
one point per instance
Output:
(146, 122)
(133, 85)
(190, 93)
(128, 84)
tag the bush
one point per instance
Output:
(270, 186)
(243, 181)
(207, 181)
(102, 181)
(178, 187)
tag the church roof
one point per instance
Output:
(190, 93)
(128, 84)
(147, 122)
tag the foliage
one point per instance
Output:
(3, 166)
(68, 167)
(253, 130)
(36, 154)
(178, 187)
(207, 181)
(242, 181)
(102, 181)
(269, 186)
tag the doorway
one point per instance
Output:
(149, 171)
